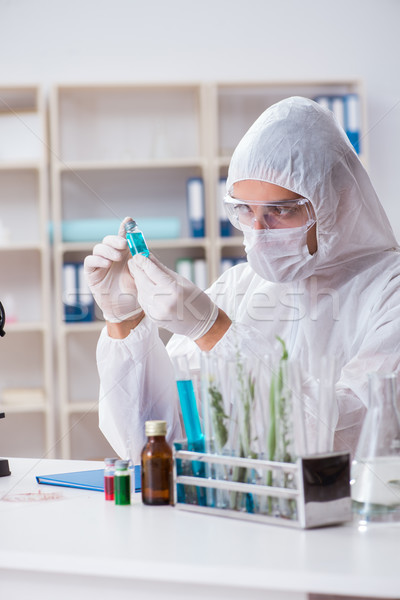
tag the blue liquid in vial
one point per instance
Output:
(136, 243)
(190, 414)
(191, 421)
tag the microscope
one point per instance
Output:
(4, 467)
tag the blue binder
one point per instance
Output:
(352, 123)
(78, 300)
(85, 480)
(225, 228)
(195, 206)
(346, 108)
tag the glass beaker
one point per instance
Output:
(375, 476)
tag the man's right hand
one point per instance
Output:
(110, 280)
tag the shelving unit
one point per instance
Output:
(26, 384)
(129, 150)
(116, 149)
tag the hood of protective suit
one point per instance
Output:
(300, 146)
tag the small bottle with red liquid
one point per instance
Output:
(109, 471)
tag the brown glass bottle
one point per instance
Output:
(157, 465)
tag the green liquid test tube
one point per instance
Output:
(122, 483)
(135, 239)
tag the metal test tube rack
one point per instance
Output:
(320, 487)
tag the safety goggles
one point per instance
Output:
(283, 214)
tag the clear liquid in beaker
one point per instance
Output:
(375, 488)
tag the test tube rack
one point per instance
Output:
(318, 496)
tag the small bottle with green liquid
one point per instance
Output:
(135, 239)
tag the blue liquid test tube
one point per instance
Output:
(195, 437)
(135, 239)
(191, 419)
(190, 415)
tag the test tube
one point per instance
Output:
(135, 239)
(187, 398)
(191, 419)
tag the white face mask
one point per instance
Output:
(279, 255)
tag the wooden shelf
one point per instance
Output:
(14, 247)
(22, 165)
(82, 407)
(153, 244)
(27, 407)
(232, 241)
(25, 327)
(173, 163)
(89, 327)
(26, 352)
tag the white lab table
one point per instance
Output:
(77, 543)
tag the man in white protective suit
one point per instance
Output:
(322, 272)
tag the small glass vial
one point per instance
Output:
(109, 470)
(157, 465)
(122, 482)
(135, 239)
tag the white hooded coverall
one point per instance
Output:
(349, 307)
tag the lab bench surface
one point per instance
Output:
(77, 543)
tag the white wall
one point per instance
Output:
(60, 41)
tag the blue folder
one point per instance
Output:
(85, 480)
